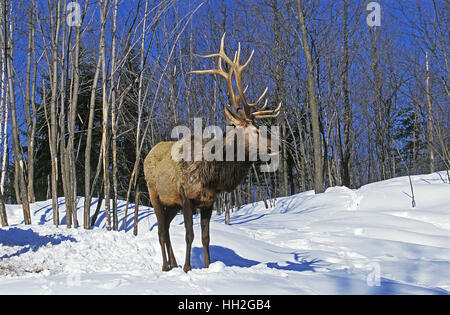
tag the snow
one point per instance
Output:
(364, 241)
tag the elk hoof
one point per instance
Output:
(172, 266)
(187, 268)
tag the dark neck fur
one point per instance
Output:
(217, 175)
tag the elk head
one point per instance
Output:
(245, 115)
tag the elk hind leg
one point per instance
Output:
(162, 227)
(188, 224)
(170, 214)
(205, 217)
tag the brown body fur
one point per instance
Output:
(186, 185)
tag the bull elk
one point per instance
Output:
(187, 185)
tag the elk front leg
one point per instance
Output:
(188, 224)
(205, 215)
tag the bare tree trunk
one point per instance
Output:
(3, 126)
(18, 158)
(105, 105)
(104, 11)
(136, 212)
(33, 105)
(314, 107)
(114, 119)
(346, 157)
(87, 157)
(70, 154)
(97, 209)
(430, 116)
(64, 160)
(3, 215)
(53, 110)
(29, 105)
(227, 208)
(135, 172)
(280, 91)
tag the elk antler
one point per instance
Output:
(237, 68)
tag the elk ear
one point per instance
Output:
(232, 118)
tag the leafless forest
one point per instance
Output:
(83, 101)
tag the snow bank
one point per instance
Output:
(365, 241)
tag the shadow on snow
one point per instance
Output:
(230, 259)
(29, 239)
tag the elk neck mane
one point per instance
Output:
(217, 175)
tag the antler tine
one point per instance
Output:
(248, 60)
(264, 106)
(259, 99)
(267, 113)
(238, 68)
(237, 55)
(222, 53)
(218, 71)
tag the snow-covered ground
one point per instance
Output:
(364, 241)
